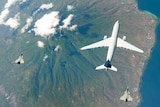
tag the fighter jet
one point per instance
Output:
(20, 60)
(126, 96)
(112, 42)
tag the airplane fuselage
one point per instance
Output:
(113, 41)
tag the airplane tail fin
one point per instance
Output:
(103, 67)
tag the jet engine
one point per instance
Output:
(105, 37)
(124, 38)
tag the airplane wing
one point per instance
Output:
(124, 44)
(17, 60)
(102, 43)
(22, 61)
(130, 98)
(123, 97)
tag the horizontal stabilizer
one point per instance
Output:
(123, 97)
(113, 68)
(103, 67)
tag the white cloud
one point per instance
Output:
(56, 49)
(67, 21)
(73, 27)
(10, 3)
(45, 57)
(69, 7)
(28, 23)
(46, 25)
(13, 22)
(27, 42)
(40, 44)
(3, 15)
(23, 1)
(42, 7)
(46, 6)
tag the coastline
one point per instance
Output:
(148, 44)
(68, 77)
(143, 23)
(139, 28)
(150, 14)
(150, 78)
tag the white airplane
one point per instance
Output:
(126, 96)
(20, 60)
(112, 42)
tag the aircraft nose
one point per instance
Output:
(117, 21)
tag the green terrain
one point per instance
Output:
(67, 78)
